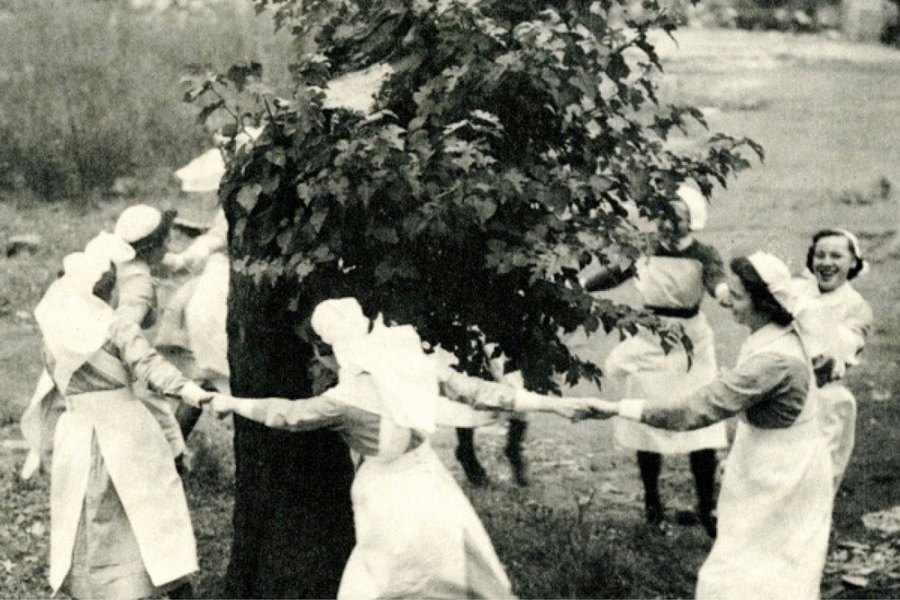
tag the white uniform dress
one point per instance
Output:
(120, 526)
(775, 503)
(669, 285)
(417, 535)
(195, 316)
(844, 319)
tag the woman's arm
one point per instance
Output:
(146, 364)
(608, 278)
(490, 395)
(292, 415)
(736, 391)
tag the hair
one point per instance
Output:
(104, 286)
(759, 293)
(824, 233)
(156, 238)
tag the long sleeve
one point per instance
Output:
(607, 279)
(768, 386)
(214, 240)
(136, 293)
(476, 392)
(293, 415)
(147, 365)
(856, 326)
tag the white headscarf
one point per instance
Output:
(777, 278)
(696, 205)
(405, 376)
(73, 322)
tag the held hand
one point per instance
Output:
(194, 395)
(221, 405)
(173, 262)
(494, 397)
(574, 409)
(602, 409)
(578, 409)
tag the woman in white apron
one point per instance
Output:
(417, 536)
(838, 320)
(120, 526)
(672, 284)
(775, 503)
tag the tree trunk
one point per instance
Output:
(293, 522)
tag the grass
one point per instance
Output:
(577, 530)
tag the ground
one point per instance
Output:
(824, 112)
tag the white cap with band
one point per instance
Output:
(696, 205)
(777, 277)
(137, 222)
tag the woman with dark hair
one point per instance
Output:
(838, 319)
(775, 504)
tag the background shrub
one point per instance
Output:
(89, 91)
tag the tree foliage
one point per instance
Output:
(512, 143)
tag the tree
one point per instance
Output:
(513, 143)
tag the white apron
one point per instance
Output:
(417, 535)
(774, 508)
(205, 315)
(648, 372)
(837, 419)
(140, 465)
(825, 320)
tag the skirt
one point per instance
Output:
(837, 417)
(774, 517)
(647, 371)
(417, 535)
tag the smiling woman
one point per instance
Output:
(844, 319)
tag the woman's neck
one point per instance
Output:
(757, 322)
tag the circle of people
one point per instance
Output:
(119, 518)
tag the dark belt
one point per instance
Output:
(677, 313)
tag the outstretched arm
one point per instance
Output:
(292, 415)
(608, 278)
(490, 395)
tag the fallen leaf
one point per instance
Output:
(855, 581)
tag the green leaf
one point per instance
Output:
(248, 196)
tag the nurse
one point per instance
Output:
(120, 526)
(417, 536)
(775, 504)
(842, 320)
(672, 283)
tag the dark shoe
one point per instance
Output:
(710, 524)
(655, 513)
(475, 473)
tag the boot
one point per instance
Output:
(703, 466)
(514, 438)
(650, 465)
(465, 454)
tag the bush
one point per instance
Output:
(90, 90)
